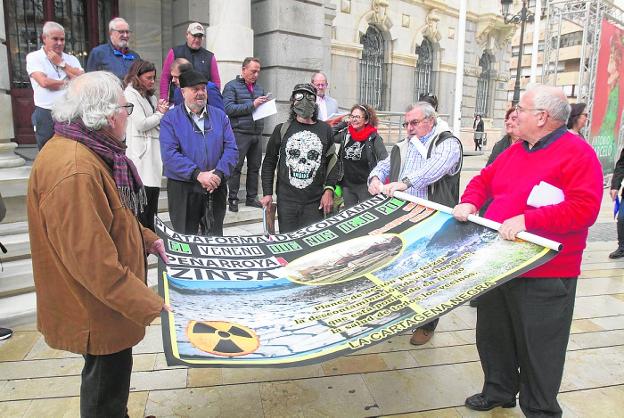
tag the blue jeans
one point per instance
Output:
(620, 227)
(43, 124)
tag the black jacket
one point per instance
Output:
(238, 102)
(498, 148)
(373, 151)
(618, 174)
(200, 58)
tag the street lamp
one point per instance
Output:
(523, 16)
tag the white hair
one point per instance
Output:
(113, 23)
(50, 26)
(91, 97)
(318, 73)
(552, 99)
(425, 107)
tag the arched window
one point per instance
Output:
(371, 67)
(482, 107)
(423, 83)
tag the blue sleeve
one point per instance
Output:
(93, 60)
(229, 158)
(232, 108)
(174, 161)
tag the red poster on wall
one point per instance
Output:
(608, 96)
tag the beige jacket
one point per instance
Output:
(143, 137)
(88, 254)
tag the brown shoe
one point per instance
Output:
(421, 336)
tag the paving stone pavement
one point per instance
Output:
(391, 378)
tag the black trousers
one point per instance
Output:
(147, 216)
(105, 385)
(354, 194)
(249, 146)
(523, 329)
(292, 216)
(187, 203)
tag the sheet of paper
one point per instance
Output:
(264, 110)
(545, 194)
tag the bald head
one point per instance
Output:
(541, 110)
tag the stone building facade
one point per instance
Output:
(382, 52)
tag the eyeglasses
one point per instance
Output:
(356, 117)
(519, 109)
(123, 32)
(414, 122)
(128, 106)
(197, 35)
(320, 85)
(300, 95)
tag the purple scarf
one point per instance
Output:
(113, 153)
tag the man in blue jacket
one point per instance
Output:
(114, 56)
(199, 154)
(241, 97)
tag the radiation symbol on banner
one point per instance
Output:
(222, 338)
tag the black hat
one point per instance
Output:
(192, 78)
(305, 87)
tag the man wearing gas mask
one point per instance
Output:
(302, 150)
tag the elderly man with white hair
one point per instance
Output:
(88, 248)
(523, 326)
(49, 69)
(115, 55)
(426, 164)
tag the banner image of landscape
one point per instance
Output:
(606, 117)
(364, 275)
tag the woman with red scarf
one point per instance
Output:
(361, 148)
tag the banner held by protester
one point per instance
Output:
(362, 276)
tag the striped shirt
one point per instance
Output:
(421, 171)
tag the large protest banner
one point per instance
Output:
(352, 280)
(606, 118)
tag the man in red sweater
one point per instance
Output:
(523, 326)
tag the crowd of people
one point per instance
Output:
(94, 191)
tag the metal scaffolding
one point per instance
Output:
(587, 14)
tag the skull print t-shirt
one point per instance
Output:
(302, 161)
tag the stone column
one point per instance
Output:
(230, 36)
(145, 20)
(289, 41)
(8, 158)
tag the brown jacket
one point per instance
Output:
(88, 254)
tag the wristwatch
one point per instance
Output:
(407, 182)
(61, 64)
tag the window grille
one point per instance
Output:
(424, 69)
(371, 68)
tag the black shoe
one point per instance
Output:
(478, 402)
(253, 203)
(5, 333)
(233, 206)
(619, 253)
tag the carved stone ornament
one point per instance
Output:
(495, 35)
(431, 26)
(345, 6)
(379, 8)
